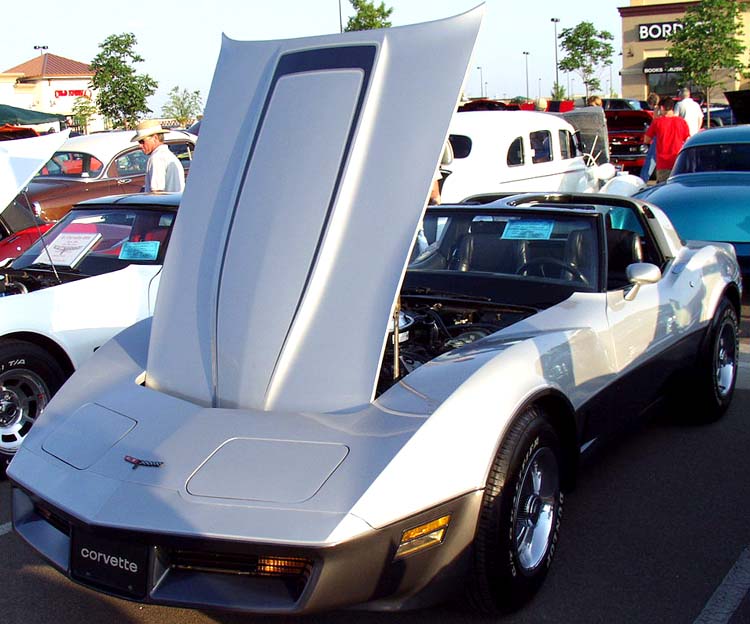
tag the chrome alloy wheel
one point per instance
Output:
(534, 510)
(725, 359)
(23, 396)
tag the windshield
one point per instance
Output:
(543, 247)
(72, 165)
(706, 158)
(96, 241)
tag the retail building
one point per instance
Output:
(646, 64)
(48, 83)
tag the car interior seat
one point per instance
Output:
(623, 248)
(483, 249)
(581, 253)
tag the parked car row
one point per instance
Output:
(95, 165)
(706, 194)
(79, 168)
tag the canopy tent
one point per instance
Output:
(20, 116)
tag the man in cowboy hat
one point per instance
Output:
(163, 171)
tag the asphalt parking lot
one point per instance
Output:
(657, 531)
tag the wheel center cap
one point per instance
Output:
(533, 508)
(9, 408)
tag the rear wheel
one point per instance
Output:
(29, 376)
(520, 517)
(716, 368)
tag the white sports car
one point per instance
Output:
(307, 422)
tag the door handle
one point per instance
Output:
(124, 181)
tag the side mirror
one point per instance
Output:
(640, 273)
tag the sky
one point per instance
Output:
(180, 39)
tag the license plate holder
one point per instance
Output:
(115, 565)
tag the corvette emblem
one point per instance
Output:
(142, 462)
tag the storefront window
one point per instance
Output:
(667, 83)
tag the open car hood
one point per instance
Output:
(21, 159)
(316, 161)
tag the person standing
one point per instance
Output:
(163, 171)
(670, 133)
(690, 111)
(649, 163)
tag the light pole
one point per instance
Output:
(481, 81)
(556, 21)
(341, 21)
(526, 56)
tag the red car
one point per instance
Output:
(626, 130)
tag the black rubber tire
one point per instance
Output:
(27, 371)
(710, 397)
(498, 581)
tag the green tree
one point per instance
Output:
(558, 92)
(709, 42)
(184, 106)
(83, 111)
(587, 52)
(367, 16)
(121, 92)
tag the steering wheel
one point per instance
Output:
(550, 261)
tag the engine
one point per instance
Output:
(426, 330)
(19, 282)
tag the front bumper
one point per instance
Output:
(199, 571)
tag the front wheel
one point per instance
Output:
(29, 376)
(520, 517)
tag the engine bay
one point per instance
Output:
(429, 327)
(19, 282)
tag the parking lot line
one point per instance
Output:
(728, 596)
(6, 528)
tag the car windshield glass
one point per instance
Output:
(96, 241)
(706, 158)
(72, 165)
(543, 247)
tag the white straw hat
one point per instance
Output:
(147, 128)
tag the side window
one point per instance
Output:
(131, 163)
(627, 242)
(461, 145)
(567, 146)
(183, 150)
(541, 146)
(515, 153)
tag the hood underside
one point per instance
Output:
(21, 160)
(304, 201)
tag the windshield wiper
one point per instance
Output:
(52, 267)
(423, 290)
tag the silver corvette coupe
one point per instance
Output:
(344, 400)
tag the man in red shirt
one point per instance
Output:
(670, 132)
